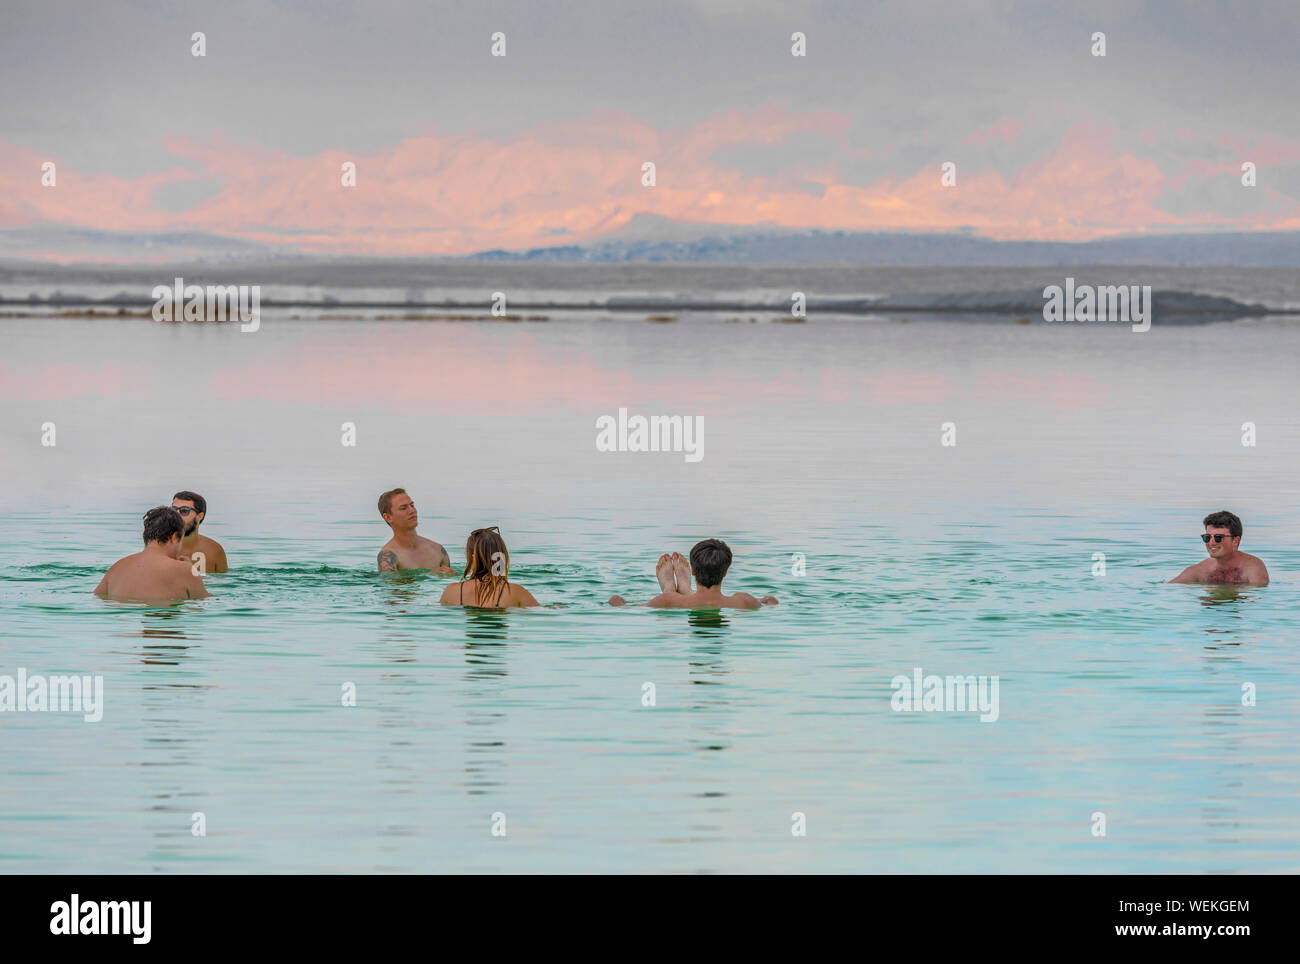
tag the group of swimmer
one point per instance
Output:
(175, 557)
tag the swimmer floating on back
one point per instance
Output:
(709, 563)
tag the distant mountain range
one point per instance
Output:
(649, 238)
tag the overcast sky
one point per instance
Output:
(457, 150)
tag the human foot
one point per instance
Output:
(682, 573)
(664, 573)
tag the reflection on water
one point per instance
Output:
(401, 592)
(401, 588)
(707, 665)
(1221, 807)
(485, 623)
(164, 623)
(1224, 600)
(487, 660)
(485, 718)
(1222, 739)
(167, 749)
(712, 716)
(1223, 595)
(708, 622)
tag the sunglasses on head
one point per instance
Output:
(488, 529)
(1217, 537)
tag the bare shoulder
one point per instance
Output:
(181, 578)
(1192, 573)
(124, 565)
(213, 547)
(440, 551)
(447, 593)
(1256, 569)
(387, 558)
(102, 588)
(193, 582)
(664, 601)
(743, 600)
(522, 597)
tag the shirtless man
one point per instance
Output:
(194, 509)
(1226, 565)
(156, 574)
(406, 550)
(709, 563)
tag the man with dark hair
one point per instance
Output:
(407, 550)
(206, 553)
(709, 563)
(156, 574)
(1222, 536)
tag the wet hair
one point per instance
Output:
(480, 548)
(1226, 520)
(710, 561)
(161, 523)
(386, 500)
(200, 503)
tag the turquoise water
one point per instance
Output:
(1118, 694)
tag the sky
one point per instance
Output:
(458, 151)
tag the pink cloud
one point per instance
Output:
(574, 181)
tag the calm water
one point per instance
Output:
(1118, 693)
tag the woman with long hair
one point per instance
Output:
(485, 582)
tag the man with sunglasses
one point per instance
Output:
(194, 547)
(1226, 565)
(407, 550)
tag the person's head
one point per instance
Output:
(164, 526)
(192, 507)
(488, 560)
(398, 509)
(1222, 534)
(710, 561)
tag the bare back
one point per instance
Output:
(508, 596)
(704, 600)
(151, 577)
